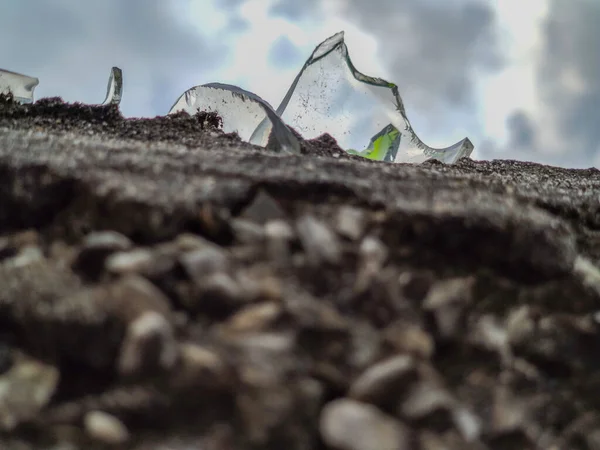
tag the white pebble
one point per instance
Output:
(105, 427)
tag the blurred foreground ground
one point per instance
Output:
(166, 286)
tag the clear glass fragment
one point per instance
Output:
(242, 112)
(114, 90)
(366, 115)
(20, 86)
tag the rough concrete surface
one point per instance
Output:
(164, 285)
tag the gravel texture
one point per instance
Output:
(164, 285)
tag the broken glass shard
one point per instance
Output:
(114, 90)
(383, 146)
(20, 86)
(366, 115)
(242, 112)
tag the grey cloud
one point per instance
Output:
(431, 49)
(295, 10)
(568, 86)
(571, 44)
(521, 130)
(229, 5)
(236, 22)
(284, 53)
(71, 46)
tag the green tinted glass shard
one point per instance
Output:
(383, 146)
(366, 115)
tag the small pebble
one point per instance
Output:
(351, 222)
(279, 229)
(107, 240)
(200, 263)
(25, 389)
(149, 344)
(246, 231)
(200, 367)
(262, 209)
(372, 256)
(254, 317)
(134, 261)
(350, 425)
(105, 428)
(448, 300)
(97, 246)
(7, 249)
(404, 336)
(27, 238)
(134, 295)
(25, 257)
(187, 242)
(426, 399)
(319, 242)
(384, 380)
(216, 296)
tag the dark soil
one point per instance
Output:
(164, 285)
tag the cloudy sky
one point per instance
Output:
(520, 78)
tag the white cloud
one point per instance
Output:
(514, 88)
(209, 19)
(249, 66)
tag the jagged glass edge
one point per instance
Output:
(114, 89)
(448, 155)
(28, 84)
(281, 133)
